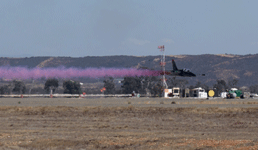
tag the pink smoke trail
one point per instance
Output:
(66, 73)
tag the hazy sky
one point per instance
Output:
(79, 28)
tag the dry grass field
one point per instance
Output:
(113, 123)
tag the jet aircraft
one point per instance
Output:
(176, 72)
(179, 72)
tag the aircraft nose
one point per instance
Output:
(193, 75)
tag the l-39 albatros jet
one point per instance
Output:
(179, 72)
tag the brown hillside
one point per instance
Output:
(241, 67)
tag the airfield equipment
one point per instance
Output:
(200, 93)
(211, 93)
(234, 92)
(174, 92)
(162, 64)
(167, 93)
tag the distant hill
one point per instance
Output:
(226, 67)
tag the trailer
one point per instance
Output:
(200, 93)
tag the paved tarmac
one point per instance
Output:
(124, 102)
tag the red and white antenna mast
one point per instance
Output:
(163, 64)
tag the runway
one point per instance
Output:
(124, 102)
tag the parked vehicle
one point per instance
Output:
(200, 93)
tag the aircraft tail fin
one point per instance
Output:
(174, 65)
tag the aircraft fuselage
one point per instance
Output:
(182, 73)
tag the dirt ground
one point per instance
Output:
(113, 123)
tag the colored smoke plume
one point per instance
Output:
(66, 73)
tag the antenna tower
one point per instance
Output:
(163, 64)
